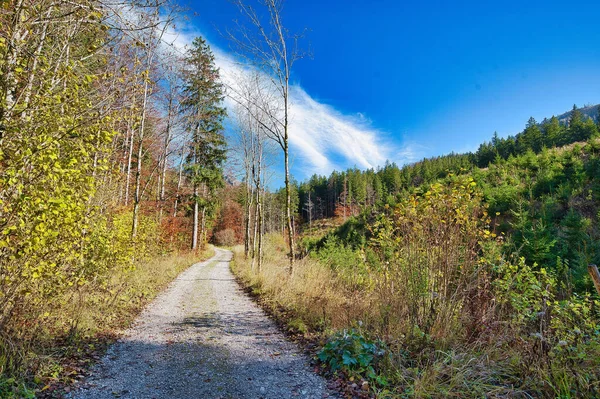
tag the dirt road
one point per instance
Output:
(203, 338)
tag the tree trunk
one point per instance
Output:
(165, 154)
(138, 183)
(195, 226)
(146, 75)
(131, 135)
(288, 192)
(138, 170)
(36, 56)
(249, 197)
(256, 223)
(180, 178)
(309, 211)
(8, 80)
(203, 235)
(261, 230)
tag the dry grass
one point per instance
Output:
(314, 295)
(113, 307)
(482, 351)
(456, 318)
(316, 301)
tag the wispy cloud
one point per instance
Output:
(322, 139)
(336, 140)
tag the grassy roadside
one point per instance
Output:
(369, 343)
(309, 302)
(84, 324)
(310, 306)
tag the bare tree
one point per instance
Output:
(179, 180)
(172, 109)
(308, 208)
(253, 149)
(153, 40)
(270, 47)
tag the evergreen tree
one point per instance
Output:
(203, 103)
(576, 116)
(576, 126)
(587, 130)
(485, 154)
(531, 138)
(508, 147)
(552, 132)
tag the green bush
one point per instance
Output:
(350, 352)
(348, 263)
(10, 388)
(564, 334)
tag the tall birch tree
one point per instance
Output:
(268, 45)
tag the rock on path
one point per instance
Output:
(203, 338)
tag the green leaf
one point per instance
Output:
(348, 359)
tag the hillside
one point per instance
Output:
(446, 279)
(543, 199)
(590, 111)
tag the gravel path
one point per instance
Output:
(203, 338)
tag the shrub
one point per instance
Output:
(225, 238)
(563, 335)
(11, 388)
(94, 286)
(428, 266)
(349, 351)
(348, 263)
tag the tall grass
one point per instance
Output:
(318, 299)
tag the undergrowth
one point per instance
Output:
(431, 307)
(55, 349)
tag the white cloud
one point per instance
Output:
(334, 135)
(321, 138)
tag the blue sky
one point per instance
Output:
(404, 80)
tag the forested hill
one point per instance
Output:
(354, 187)
(470, 270)
(573, 126)
(541, 186)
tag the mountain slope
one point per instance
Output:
(590, 111)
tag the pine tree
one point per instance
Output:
(552, 132)
(203, 98)
(485, 154)
(576, 130)
(576, 116)
(531, 138)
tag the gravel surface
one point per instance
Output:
(203, 338)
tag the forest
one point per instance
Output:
(540, 187)
(111, 154)
(124, 155)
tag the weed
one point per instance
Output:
(349, 351)
(11, 388)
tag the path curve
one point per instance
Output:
(203, 338)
